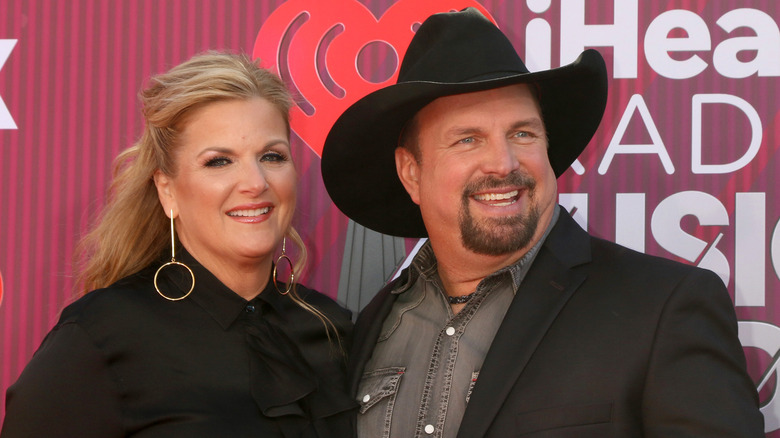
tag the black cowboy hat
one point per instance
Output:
(451, 53)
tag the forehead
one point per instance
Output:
(516, 101)
(233, 121)
(231, 111)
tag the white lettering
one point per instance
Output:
(577, 167)
(766, 43)
(697, 167)
(665, 226)
(577, 203)
(630, 220)
(766, 337)
(774, 249)
(750, 242)
(6, 121)
(656, 147)
(658, 44)
(538, 37)
(622, 35)
(692, 45)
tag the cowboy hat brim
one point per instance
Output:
(358, 158)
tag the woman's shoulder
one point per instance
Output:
(109, 302)
(323, 302)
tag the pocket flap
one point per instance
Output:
(377, 385)
(563, 416)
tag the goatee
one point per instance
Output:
(499, 236)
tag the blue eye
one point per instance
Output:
(273, 157)
(218, 162)
(466, 140)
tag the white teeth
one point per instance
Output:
(497, 197)
(250, 213)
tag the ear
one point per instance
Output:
(408, 172)
(164, 186)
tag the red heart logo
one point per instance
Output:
(320, 47)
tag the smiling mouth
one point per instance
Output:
(498, 199)
(250, 213)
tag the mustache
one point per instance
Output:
(516, 178)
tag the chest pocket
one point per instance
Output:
(376, 395)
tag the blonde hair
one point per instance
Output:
(133, 231)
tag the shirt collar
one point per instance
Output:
(423, 263)
(518, 269)
(216, 299)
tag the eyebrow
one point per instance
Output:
(227, 150)
(458, 131)
(533, 123)
(218, 149)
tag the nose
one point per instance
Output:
(499, 158)
(252, 179)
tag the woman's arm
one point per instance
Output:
(65, 390)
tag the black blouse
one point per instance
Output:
(123, 361)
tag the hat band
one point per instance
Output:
(495, 75)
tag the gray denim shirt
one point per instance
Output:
(427, 359)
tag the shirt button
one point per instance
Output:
(450, 331)
(250, 308)
(429, 429)
(366, 398)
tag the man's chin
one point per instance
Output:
(497, 240)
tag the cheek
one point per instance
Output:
(285, 188)
(205, 191)
(198, 194)
(441, 189)
(548, 183)
(449, 177)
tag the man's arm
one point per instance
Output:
(697, 384)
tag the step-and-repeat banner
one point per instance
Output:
(683, 165)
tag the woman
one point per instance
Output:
(194, 338)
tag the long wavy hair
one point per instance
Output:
(132, 230)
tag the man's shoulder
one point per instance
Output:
(576, 246)
(374, 307)
(627, 257)
(626, 266)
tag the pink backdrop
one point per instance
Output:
(683, 165)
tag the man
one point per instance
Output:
(512, 320)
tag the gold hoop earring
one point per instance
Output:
(173, 262)
(292, 271)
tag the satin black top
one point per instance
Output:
(123, 361)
